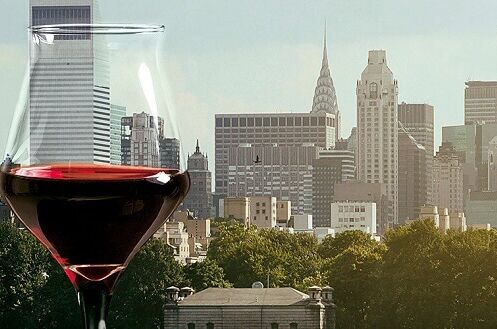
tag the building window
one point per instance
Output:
(294, 325)
(191, 325)
(210, 325)
(373, 90)
(274, 325)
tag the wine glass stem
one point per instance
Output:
(94, 305)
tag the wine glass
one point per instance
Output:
(85, 168)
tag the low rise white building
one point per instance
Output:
(322, 232)
(175, 235)
(302, 222)
(353, 215)
(263, 211)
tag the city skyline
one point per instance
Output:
(435, 77)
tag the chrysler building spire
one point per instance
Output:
(325, 99)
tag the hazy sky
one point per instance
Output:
(265, 56)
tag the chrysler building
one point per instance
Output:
(325, 99)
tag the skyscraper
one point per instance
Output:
(284, 172)
(471, 143)
(116, 114)
(199, 199)
(325, 99)
(282, 129)
(448, 179)
(331, 166)
(480, 102)
(140, 140)
(418, 121)
(492, 165)
(69, 120)
(414, 177)
(170, 153)
(377, 126)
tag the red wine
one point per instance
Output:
(93, 218)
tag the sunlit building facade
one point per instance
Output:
(377, 126)
(69, 95)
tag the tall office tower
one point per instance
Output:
(471, 142)
(116, 114)
(418, 121)
(325, 99)
(414, 177)
(377, 126)
(283, 129)
(480, 102)
(69, 120)
(284, 172)
(199, 199)
(492, 165)
(140, 138)
(170, 153)
(448, 179)
(331, 166)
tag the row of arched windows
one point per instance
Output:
(274, 325)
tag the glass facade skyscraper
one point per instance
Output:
(69, 96)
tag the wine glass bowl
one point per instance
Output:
(83, 167)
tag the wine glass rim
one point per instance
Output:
(86, 29)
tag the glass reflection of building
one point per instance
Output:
(69, 96)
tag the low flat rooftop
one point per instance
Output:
(245, 297)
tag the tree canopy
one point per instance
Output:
(416, 278)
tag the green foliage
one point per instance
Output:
(411, 284)
(247, 256)
(34, 292)
(140, 294)
(354, 273)
(416, 278)
(333, 246)
(468, 267)
(205, 274)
